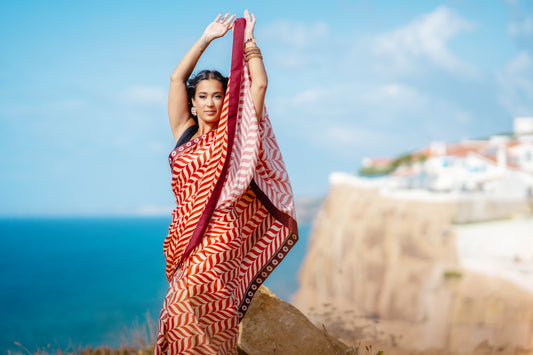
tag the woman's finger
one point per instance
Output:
(228, 21)
(218, 17)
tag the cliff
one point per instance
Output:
(385, 269)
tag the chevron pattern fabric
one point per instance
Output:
(233, 190)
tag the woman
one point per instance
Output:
(208, 106)
(234, 221)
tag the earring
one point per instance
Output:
(193, 111)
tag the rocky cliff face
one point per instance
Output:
(385, 270)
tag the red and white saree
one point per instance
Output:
(233, 224)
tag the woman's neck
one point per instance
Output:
(204, 127)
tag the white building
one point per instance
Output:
(523, 126)
(500, 167)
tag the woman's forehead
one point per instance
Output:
(209, 85)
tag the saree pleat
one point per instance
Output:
(234, 222)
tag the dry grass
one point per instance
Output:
(139, 339)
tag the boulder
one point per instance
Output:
(273, 326)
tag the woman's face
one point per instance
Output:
(208, 100)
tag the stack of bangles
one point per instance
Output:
(251, 50)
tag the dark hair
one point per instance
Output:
(193, 82)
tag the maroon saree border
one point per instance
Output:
(176, 152)
(285, 247)
(233, 108)
(284, 218)
(265, 272)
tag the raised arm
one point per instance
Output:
(256, 66)
(178, 108)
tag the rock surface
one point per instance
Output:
(385, 270)
(272, 326)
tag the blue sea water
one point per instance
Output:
(86, 281)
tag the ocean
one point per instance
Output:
(67, 283)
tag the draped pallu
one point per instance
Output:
(233, 224)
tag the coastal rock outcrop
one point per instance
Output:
(384, 269)
(272, 326)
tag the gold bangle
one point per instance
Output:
(251, 39)
(247, 54)
(252, 52)
(252, 48)
(254, 56)
(249, 48)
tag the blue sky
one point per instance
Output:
(83, 86)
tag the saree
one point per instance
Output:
(233, 224)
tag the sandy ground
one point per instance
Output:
(500, 248)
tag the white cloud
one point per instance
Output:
(516, 81)
(521, 28)
(351, 107)
(35, 110)
(393, 94)
(521, 24)
(348, 116)
(143, 95)
(521, 64)
(299, 35)
(296, 44)
(424, 38)
(341, 138)
(154, 210)
(310, 96)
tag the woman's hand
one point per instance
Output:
(219, 27)
(250, 24)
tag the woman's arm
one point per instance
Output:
(178, 108)
(256, 66)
